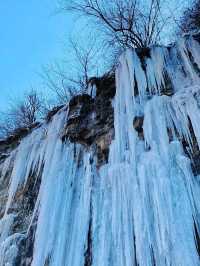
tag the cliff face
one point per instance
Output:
(113, 177)
(90, 119)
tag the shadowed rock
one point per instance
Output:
(90, 120)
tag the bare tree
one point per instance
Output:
(29, 110)
(84, 57)
(129, 23)
(72, 77)
(22, 114)
(56, 80)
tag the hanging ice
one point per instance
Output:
(143, 206)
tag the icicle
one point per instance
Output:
(182, 48)
(155, 70)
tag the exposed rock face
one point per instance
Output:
(91, 120)
(138, 126)
(79, 127)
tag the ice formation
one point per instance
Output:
(143, 206)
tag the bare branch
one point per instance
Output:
(130, 23)
(23, 114)
(74, 76)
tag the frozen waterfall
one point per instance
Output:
(143, 206)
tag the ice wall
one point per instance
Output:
(143, 206)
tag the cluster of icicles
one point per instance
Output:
(143, 207)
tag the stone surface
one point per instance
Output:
(91, 120)
(138, 126)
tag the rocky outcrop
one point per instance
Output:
(80, 124)
(138, 126)
(90, 119)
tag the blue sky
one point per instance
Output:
(31, 35)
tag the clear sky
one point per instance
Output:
(31, 35)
